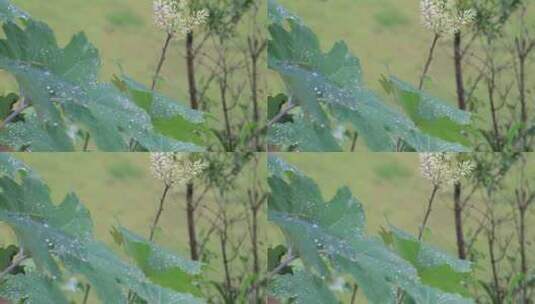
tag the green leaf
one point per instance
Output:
(333, 233)
(27, 288)
(159, 265)
(30, 135)
(301, 288)
(11, 166)
(169, 117)
(303, 136)
(9, 12)
(434, 267)
(275, 104)
(6, 255)
(6, 104)
(274, 258)
(278, 13)
(329, 89)
(430, 114)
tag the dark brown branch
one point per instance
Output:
(159, 212)
(162, 60)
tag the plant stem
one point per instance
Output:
(275, 119)
(354, 141)
(428, 62)
(458, 57)
(86, 294)
(254, 51)
(427, 212)
(194, 104)
(159, 212)
(162, 60)
(23, 106)
(190, 210)
(289, 259)
(461, 102)
(400, 294)
(354, 294)
(190, 60)
(17, 260)
(223, 86)
(461, 247)
(86, 141)
(224, 256)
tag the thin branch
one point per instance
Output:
(427, 212)
(159, 212)
(354, 294)
(429, 60)
(275, 119)
(162, 60)
(289, 259)
(17, 260)
(86, 294)
(23, 106)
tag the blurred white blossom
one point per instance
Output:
(71, 285)
(444, 16)
(338, 284)
(177, 16)
(175, 168)
(444, 168)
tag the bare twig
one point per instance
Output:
(289, 259)
(162, 60)
(275, 119)
(23, 106)
(429, 60)
(427, 212)
(17, 260)
(159, 212)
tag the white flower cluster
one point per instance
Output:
(444, 16)
(175, 168)
(444, 168)
(177, 15)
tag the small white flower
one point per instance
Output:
(444, 16)
(177, 15)
(444, 168)
(175, 168)
(71, 285)
(72, 131)
(338, 284)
